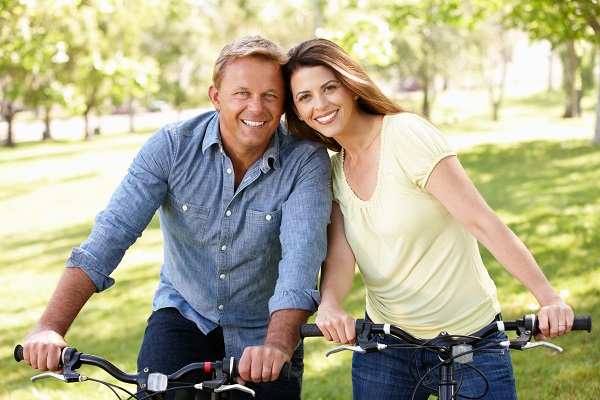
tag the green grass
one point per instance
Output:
(547, 191)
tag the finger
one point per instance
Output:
(244, 365)
(54, 356)
(543, 324)
(350, 331)
(267, 371)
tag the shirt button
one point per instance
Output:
(222, 276)
(268, 217)
(223, 247)
(184, 207)
(229, 170)
(221, 307)
(228, 213)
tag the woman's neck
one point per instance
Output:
(364, 132)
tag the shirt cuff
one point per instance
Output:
(91, 266)
(299, 299)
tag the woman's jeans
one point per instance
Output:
(171, 342)
(386, 374)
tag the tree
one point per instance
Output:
(19, 45)
(431, 28)
(562, 23)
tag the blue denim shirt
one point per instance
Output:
(231, 257)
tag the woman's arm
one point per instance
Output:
(337, 275)
(450, 184)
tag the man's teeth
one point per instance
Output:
(253, 123)
(327, 117)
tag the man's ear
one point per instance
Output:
(213, 94)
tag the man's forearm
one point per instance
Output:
(72, 292)
(283, 329)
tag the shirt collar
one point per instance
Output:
(269, 159)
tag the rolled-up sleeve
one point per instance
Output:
(128, 212)
(306, 214)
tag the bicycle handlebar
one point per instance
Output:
(71, 360)
(525, 328)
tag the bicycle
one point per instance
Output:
(451, 349)
(151, 384)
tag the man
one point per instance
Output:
(244, 209)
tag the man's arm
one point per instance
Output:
(43, 346)
(264, 363)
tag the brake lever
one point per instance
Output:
(225, 388)
(548, 345)
(46, 375)
(356, 349)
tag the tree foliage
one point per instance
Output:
(87, 57)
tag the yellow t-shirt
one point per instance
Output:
(422, 269)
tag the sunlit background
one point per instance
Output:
(91, 58)
(83, 83)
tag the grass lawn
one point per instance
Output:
(547, 191)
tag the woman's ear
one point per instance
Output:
(297, 114)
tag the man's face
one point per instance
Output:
(250, 100)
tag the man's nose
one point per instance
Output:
(256, 104)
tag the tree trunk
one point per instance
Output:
(131, 113)
(570, 89)
(6, 107)
(47, 133)
(88, 132)
(425, 107)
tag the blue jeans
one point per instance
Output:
(171, 341)
(387, 374)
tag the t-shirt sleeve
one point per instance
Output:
(418, 145)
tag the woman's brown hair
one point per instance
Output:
(323, 52)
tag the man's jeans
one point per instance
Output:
(171, 341)
(386, 375)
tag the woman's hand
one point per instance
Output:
(336, 324)
(554, 320)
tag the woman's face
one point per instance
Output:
(322, 101)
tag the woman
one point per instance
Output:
(407, 214)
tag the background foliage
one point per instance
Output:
(83, 57)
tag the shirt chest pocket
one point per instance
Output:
(184, 220)
(261, 232)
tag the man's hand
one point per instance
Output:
(42, 350)
(261, 364)
(264, 363)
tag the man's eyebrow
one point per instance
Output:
(247, 89)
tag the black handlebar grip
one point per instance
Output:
(286, 370)
(18, 353)
(582, 323)
(310, 330)
(579, 324)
